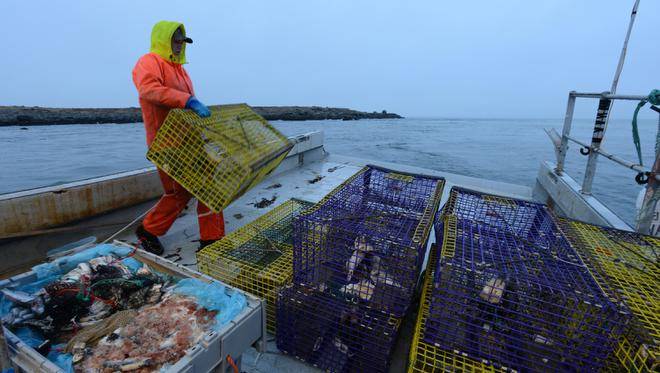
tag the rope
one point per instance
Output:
(654, 99)
(232, 364)
(129, 224)
(657, 135)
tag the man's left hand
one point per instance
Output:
(195, 105)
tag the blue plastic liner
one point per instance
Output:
(215, 297)
(63, 265)
(132, 264)
(64, 361)
(29, 336)
(34, 339)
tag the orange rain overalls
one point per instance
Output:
(163, 84)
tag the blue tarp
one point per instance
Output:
(64, 361)
(63, 265)
(34, 339)
(213, 296)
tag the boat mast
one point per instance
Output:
(624, 50)
(604, 107)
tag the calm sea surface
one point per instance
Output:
(508, 150)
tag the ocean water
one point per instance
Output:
(508, 150)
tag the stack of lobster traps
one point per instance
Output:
(258, 257)
(357, 259)
(507, 291)
(626, 265)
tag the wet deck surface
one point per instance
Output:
(310, 182)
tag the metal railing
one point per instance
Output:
(594, 149)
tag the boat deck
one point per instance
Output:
(310, 181)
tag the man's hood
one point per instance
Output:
(161, 41)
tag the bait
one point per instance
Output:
(360, 248)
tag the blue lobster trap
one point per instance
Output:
(365, 242)
(526, 219)
(511, 293)
(333, 335)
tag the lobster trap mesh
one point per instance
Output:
(218, 158)
(426, 357)
(258, 257)
(626, 264)
(365, 242)
(529, 220)
(514, 303)
(332, 335)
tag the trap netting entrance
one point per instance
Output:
(626, 264)
(258, 257)
(332, 335)
(426, 357)
(365, 242)
(512, 303)
(219, 158)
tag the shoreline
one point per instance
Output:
(35, 115)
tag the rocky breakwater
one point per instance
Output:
(318, 113)
(26, 115)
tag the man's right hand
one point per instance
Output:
(195, 105)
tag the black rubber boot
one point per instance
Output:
(204, 243)
(148, 241)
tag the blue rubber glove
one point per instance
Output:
(195, 105)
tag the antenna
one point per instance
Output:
(622, 57)
(603, 113)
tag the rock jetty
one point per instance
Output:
(318, 113)
(26, 115)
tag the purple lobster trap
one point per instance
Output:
(512, 298)
(529, 220)
(364, 243)
(333, 335)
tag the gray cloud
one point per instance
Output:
(422, 58)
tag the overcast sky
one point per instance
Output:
(418, 58)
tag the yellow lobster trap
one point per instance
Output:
(627, 266)
(218, 158)
(427, 358)
(257, 257)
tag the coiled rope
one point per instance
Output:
(654, 99)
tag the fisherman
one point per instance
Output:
(163, 84)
